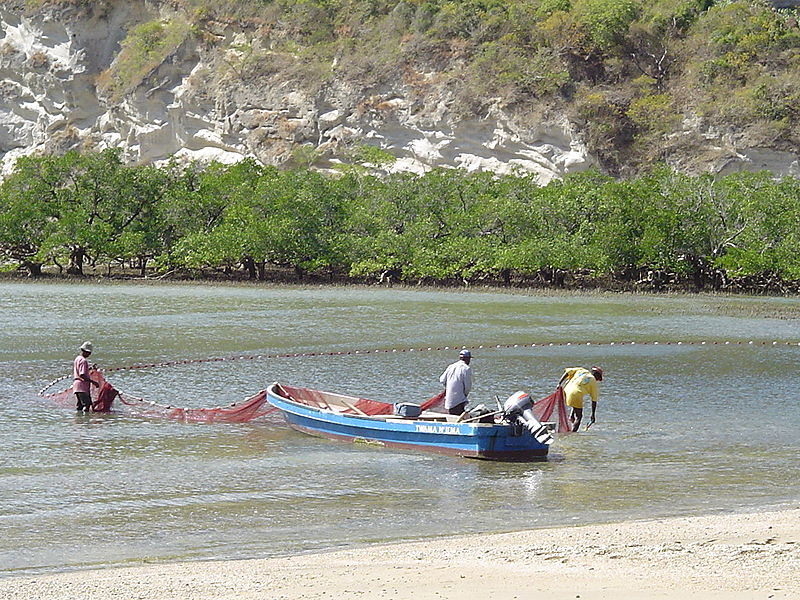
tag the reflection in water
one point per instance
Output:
(681, 429)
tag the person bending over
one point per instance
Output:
(580, 385)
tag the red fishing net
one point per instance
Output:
(247, 410)
(543, 410)
(104, 395)
(362, 406)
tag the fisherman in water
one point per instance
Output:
(81, 380)
(580, 385)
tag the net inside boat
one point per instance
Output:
(362, 406)
(543, 410)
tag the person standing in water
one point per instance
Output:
(81, 381)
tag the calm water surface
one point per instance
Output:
(686, 429)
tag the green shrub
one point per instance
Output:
(505, 70)
(679, 14)
(653, 113)
(143, 50)
(548, 7)
(606, 21)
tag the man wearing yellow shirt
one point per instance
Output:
(580, 385)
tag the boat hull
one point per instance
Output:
(469, 440)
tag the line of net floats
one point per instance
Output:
(420, 349)
(435, 349)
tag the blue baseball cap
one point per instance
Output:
(465, 354)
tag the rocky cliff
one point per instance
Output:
(220, 92)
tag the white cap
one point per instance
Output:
(86, 346)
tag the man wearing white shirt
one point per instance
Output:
(457, 381)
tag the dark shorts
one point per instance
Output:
(84, 401)
(457, 409)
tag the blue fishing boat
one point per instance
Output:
(510, 433)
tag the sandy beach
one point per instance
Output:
(709, 557)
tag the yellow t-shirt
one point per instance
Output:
(580, 386)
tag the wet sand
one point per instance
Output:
(711, 557)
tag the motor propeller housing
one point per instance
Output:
(519, 408)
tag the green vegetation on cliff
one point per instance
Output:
(631, 70)
(645, 81)
(144, 49)
(654, 231)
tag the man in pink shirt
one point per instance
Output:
(81, 380)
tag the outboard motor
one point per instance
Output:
(519, 409)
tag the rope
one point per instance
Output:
(435, 349)
(130, 399)
(173, 363)
(51, 384)
(192, 414)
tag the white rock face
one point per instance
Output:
(49, 64)
(197, 107)
(762, 159)
(47, 71)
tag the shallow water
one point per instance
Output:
(682, 429)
